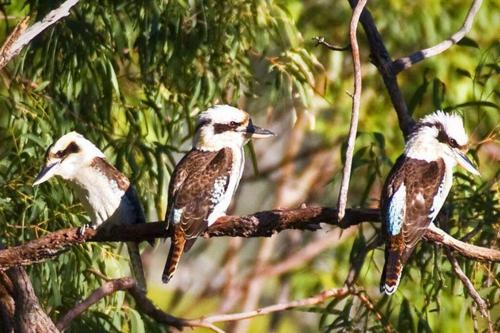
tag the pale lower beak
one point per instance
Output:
(465, 162)
(47, 172)
(258, 132)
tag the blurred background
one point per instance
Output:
(132, 76)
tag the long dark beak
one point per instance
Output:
(465, 162)
(256, 132)
(46, 173)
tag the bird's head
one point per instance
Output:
(447, 133)
(224, 126)
(67, 156)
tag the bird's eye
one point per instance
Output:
(59, 154)
(453, 143)
(233, 124)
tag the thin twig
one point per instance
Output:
(320, 40)
(310, 301)
(481, 303)
(403, 63)
(356, 101)
(21, 37)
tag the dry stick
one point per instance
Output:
(481, 303)
(320, 40)
(310, 301)
(21, 37)
(356, 101)
(403, 63)
(110, 287)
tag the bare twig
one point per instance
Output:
(356, 101)
(481, 303)
(368, 304)
(310, 301)
(21, 35)
(128, 284)
(320, 40)
(381, 58)
(403, 63)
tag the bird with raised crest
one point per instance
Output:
(104, 191)
(205, 180)
(417, 187)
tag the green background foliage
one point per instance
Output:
(132, 75)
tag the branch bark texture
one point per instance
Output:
(261, 224)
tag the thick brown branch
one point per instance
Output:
(403, 63)
(29, 316)
(22, 35)
(128, 284)
(382, 60)
(262, 224)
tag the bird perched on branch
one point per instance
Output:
(104, 191)
(205, 180)
(417, 187)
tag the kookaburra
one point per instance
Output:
(417, 187)
(104, 191)
(206, 178)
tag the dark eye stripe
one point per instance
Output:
(70, 149)
(219, 128)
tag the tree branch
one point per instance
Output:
(310, 301)
(356, 101)
(403, 63)
(440, 237)
(29, 316)
(128, 284)
(382, 60)
(261, 224)
(22, 35)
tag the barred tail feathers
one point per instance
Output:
(178, 242)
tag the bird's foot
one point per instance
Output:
(81, 231)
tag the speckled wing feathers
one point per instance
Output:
(421, 181)
(198, 183)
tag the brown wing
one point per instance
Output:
(203, 185)
(421, 181)
(188, 165)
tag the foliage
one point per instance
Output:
(132, 75)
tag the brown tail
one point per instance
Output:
(395, 258)
(178, 241)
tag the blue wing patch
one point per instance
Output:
(396, 211)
